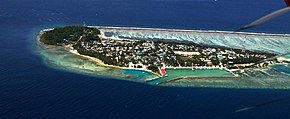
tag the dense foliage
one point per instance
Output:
(68, 34)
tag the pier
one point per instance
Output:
(174, 74)
(195, 77)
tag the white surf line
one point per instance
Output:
(185, 30)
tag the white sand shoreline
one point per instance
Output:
(101, 63)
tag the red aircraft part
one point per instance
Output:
(287, 2)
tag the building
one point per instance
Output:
(186, 53)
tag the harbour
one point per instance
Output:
(181, 73)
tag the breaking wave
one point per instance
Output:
(274, 43)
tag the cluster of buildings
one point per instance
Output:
(139, 53)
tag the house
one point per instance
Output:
(186, 53)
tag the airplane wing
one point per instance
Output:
(267, 17)
(287, 3)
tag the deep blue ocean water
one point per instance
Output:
(29, 89)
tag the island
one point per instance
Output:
(160, 57)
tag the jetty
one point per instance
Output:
(176, 73)
(194, 77)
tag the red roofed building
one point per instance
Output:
(162, 71)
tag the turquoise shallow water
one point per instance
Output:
(287, 56)
(176, 73)
(138, 75)
(282, 68)
(274, 77)
(58, 58)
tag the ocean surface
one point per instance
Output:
(30, 88)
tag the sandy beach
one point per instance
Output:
(101, 63)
